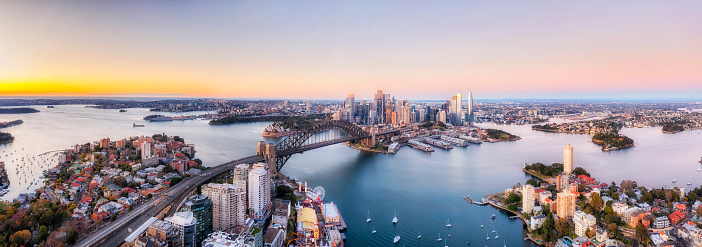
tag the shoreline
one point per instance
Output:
(524, 221)
(366, 149)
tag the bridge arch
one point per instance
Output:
(297, 142)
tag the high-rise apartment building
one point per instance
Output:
(528, 198)
(259, 192)
(145, 150)
(568, 159)
(469, 111)
(201, 207)
(240, 175)
(228, 205)
(105, 143)
(565, 204)
(350, 108)
(186, 224)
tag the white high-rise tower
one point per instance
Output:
(568, 159)
(259, 191)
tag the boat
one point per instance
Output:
(419, 235)
(699, 169)
(675, 180)
(445, 244)
(439, 239)
(368, 219)
(394, 219)
(688, 181)
(449, 236)
(504, 243)
(373, 231)
(488, 236)
(468, 242)
(496, 236)
(481, 224)
(137, 125)
(468, 199)
(493, 228)
(447, 223)
(397, 239)
(492, 217)
(122, 110)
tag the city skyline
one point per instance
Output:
(418, 50)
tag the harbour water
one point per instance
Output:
(425, 188)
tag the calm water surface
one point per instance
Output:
(426, 189)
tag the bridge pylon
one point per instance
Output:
(271, 158)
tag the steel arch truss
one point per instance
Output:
(295, 143)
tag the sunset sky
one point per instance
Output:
(327, 49)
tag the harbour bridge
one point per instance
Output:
(318, 135)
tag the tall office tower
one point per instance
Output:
(308, 109)
(201, 207)
(568, 159)
(350, 108)
(469, 111)
(388, 113)
(565, 204)
(240, 176)
(186, 224)
(379, 107)
(459, 110)
(528, 198)
(259, 192)
(422, 115)
(405, 115)
(441, 116)
(228, 205)
(145, 150)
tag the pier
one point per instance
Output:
(420, 146)
(454, 141)
(438, 143)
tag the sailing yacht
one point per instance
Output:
(373, 230)
(445, 243)
(368, 219)
(394, 219)
(439, 239)
(688, 181)
(488, 236)
(493, 228)
(504, 242)
(419, 235)
(481, 224)
(496, 236)
(447, 223)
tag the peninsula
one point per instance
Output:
(21, 110)
(10, 123)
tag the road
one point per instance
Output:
(114, 233)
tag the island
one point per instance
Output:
(21, 110)
(672, 128)
(6, 138)
(495, 135)
(10, 123)
(612, 141)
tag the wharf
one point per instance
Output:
(420, 146)
(437, 143)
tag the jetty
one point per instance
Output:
(420, 146)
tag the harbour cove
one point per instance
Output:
(361, 182)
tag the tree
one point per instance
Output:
(615, 196)
(580, 171)
(641, 232)
(43, 232)
(21, 237)
(532, 182)
(72, 236)
(596, 202)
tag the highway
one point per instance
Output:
(114, 233)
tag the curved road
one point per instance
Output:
(114, 233)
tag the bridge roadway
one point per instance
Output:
(114, 233)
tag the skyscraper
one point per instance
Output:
(259, 192)
(568, 159)
(469, 111)
(350, 108)
(228, 205)
(201, 207)
(459, 110)
(240, 176)
(186, 224)
(528, 198)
